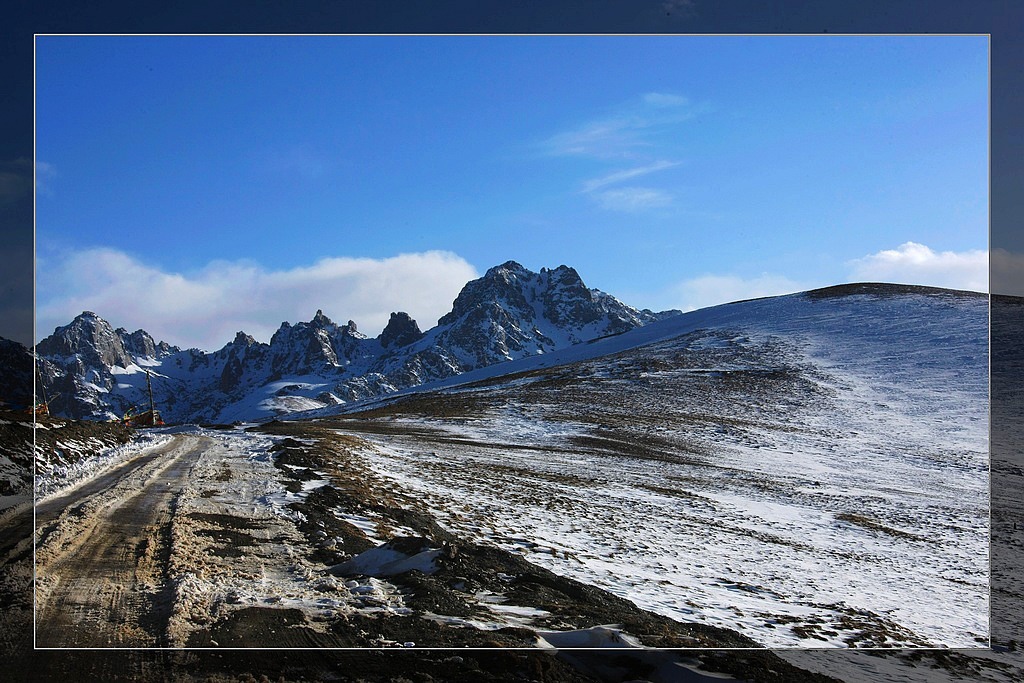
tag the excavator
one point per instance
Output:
(39, 408)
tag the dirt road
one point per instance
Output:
(102, 552)
(264, 530)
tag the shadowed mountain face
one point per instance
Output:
(90, 340)
(94, 371)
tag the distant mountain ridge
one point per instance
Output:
(90, 370)
(93, 371)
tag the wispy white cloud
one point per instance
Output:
(626, 132)
(711, 290)
(917, 264)
(633, 132)
(660, 99)
(609, 138)
(627, 174)
(632, 199)
(204, 309)
(44, 174)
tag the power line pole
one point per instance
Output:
(152, 407)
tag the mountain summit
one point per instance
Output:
(512, 312)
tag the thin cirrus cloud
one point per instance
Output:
(206, 308)
(663, 100)
(632, 132)
(917, 264)
(629, 198)
(629, 131)
(628, 174)
(633, 199)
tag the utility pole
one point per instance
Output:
(42, 389)
(152, 407)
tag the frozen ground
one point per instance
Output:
(236, 544)
(61, 475)
(807, 472)
(810, 472)
(208, 515)
(285, 539)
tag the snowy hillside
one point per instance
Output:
(808, 469)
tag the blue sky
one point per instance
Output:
(194, 186)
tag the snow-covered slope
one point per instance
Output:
(876, 327)
(92, 371)
(808, 469)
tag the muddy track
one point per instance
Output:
(101, 561)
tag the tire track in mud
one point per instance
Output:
(103, 551)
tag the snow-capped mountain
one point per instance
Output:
(509, 313)
(94, 371)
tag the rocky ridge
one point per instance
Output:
(90, 370)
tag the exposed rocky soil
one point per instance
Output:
(59, 443)
(91, 594)
(346, 558)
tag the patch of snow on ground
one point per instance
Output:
(386, 561)
(235, 489)
(61, 478)
(858, 513)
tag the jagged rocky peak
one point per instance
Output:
(90, 337)
(320, 320)
(141, 344)
(513, 312)
(503, 285)
(239, 353)
(565, 283)
(303, 346)
(138, 343)
(401, 330)
(508, 271)
(510, 312)
(563, 273)
(558, 294)
(307, 347)
(240, 345)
